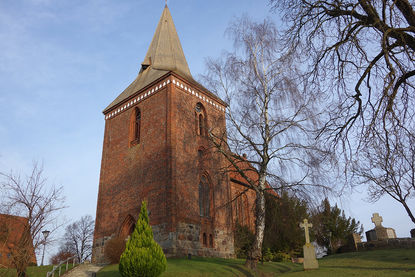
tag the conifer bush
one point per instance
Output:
(142, 255)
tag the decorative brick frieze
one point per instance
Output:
(157, 87)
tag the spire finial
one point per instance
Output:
(166, 3)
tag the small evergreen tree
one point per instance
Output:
(282, 233)
(142, 255)
(332, 228)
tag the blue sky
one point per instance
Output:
(63, 61)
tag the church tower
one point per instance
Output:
(156, 149)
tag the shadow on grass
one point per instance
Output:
(406, 256)
(245, 272)
(198, 266)
(372, 268)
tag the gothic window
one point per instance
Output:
(204, 239)
(200, 159)
(135, 127)
(200, 124)
(242, 209)
(239, 210)
(127, 227)
(200, 120)
(204, 197)
(201, 204)
(211, 241)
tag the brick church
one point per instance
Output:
(156, 149)
(12, 241)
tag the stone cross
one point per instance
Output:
(306, 225)
(377, 220)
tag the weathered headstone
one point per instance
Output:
(379, 232)
(310, 261)
(356, 239)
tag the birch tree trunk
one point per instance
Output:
(256, 251)
(269, 118)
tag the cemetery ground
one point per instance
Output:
(33, 271)
(379, 263)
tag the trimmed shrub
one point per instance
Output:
(267, 255)
(142, 255)
(281, 257)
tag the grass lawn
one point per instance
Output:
(35, 271)
(379, 263)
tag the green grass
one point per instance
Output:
(210, 267)
(380, 263)
(34, 271)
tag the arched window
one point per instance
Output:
(204, 239)
(200, 160)
(204, 197)
(135, 127)
(127, 227)
(200, 120)
(240, 210)
(236, 210)
(211, 241)
(201, 130)
(201, 199)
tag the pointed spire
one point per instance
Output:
(165, 51)
(164, 55)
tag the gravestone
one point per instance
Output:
(377, 220)
(379, 232)
(310, 261)
(356, 239)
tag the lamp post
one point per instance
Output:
(45, 234)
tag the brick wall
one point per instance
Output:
(165, 170)
(11, 229)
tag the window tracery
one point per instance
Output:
(200, 118)
(204, 197)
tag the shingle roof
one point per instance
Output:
(165, 54)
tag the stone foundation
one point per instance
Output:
(186, 240)
(98, 250)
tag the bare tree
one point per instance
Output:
(269, 119)
(364, 51)
(388, 166)
(30, 197)
(61, 256)
(78, 237)
(361, 54)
